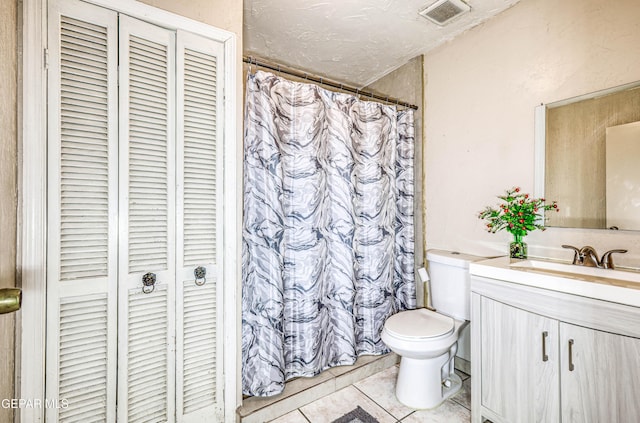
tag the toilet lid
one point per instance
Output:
(419, 323)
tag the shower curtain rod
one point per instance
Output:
(281, 69)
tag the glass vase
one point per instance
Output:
(518, 248)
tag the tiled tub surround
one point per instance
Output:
(370, 384)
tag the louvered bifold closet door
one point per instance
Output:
(146, 327)
(82, 214)
(199, 336)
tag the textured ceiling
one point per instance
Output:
(352, 41)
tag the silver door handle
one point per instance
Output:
(148, 282)
(571, 366)
(545, 357)
(200, 274)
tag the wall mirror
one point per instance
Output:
(588, 159)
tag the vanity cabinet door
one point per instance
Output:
(519, 359)
(600, 376)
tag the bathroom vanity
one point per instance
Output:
(553, 342)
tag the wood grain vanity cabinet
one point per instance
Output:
(544, 356)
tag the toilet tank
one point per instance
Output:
(450, 282)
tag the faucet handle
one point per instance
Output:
(607, 258)
(576, 253)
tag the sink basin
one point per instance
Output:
(569, 269)
(620, 286)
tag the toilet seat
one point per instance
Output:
(419, 324)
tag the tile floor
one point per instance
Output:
(375, 395)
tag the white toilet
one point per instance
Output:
(427, 340)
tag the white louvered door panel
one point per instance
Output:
(199, 393)
(82, 214)
(146, 327)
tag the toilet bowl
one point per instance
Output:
(427, 343)
(426, 340)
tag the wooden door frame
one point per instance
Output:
(32, 231)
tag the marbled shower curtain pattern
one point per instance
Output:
(328, 229)
(404, 285)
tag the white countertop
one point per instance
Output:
(617, 286)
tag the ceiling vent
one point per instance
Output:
(443, 11)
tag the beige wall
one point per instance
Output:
(8, 66)
(480, 93)
(223, 14)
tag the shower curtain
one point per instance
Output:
(328, 233)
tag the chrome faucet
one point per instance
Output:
(587, 256)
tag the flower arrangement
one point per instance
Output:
(518, 213)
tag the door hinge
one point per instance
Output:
(46, 58)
